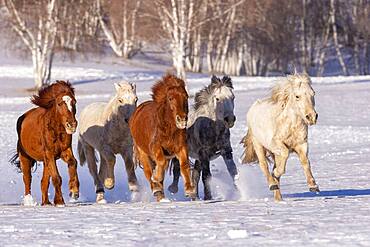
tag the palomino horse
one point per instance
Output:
(158, 129)
(104, 127)
(45, 134)
(278, 125)
(208, 136)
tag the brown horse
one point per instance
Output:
(158, 130)
(45, 134)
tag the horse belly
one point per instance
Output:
(31, 135)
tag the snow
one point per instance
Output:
(339, 153)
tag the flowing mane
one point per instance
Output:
(161, 87)
(46, 95)
(202, 97)
(281, 91)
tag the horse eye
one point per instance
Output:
(217, 99)
(120, 101)
(297, 97)
(135, 99)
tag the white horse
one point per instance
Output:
(278, 125)
(104, 127)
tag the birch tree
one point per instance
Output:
(118, 20)
(35, 24)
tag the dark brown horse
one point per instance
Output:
(158, 130)
(45, 134)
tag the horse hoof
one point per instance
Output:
(60, 205)
(100, 198)
(207, 198)
(47, 203)
(74, 195)
(159, 195)
(315, 189)
(109, 183)
(274, 187)
(29, 201)
(173, 188)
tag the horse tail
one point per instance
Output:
(14, 160)
(249, 155)
(81, 152)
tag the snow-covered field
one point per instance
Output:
(339, 152)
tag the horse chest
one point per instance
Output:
(296, 134)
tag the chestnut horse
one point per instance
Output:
(158, 129)
(45, 134)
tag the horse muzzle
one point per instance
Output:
(311, 119)
(71, 128)
(230, 121)
(181, 122)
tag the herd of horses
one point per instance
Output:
(163, 131)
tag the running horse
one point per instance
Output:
(45, 134)
(158, 129)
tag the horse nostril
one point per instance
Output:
(234, 118)
(308, 117)
(317, 116)
(68, 125)
(226, 119)
(178, 119)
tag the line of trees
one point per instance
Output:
(236, 37)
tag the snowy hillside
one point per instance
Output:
(339, 153)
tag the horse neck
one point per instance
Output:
(288, 115)
(168, 125)
(202, 111)
(111, 109)
(54, 120)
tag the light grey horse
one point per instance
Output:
(104, 127)
(208, 136)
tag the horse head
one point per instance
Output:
(126, 99)
(302, 97)
(297, 94)
(223, 100)
(177, 99)
(66, 109)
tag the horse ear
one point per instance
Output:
(226, 80)
(117, 86)
(215, 80)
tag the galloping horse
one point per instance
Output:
(208, 136)
(104, 127)
(158, 130)
(278, 125)
(45, 134)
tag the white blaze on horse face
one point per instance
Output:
(224, 102)
(68, 101)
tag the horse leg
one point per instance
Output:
(279, 170)
(185, 172)
(158, 175)
(26, 165)
(74, 184)
(277, 193)
(206, 178)
(130, 170)
(51, 165)
(148, 171)
(93, 169)
(196, 176)
(261, 155)
(110, 160)
(301, 150)
(174, 187)
(230, 165)
(45, 181)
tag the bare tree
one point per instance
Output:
(118, 19)
(36, 25)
